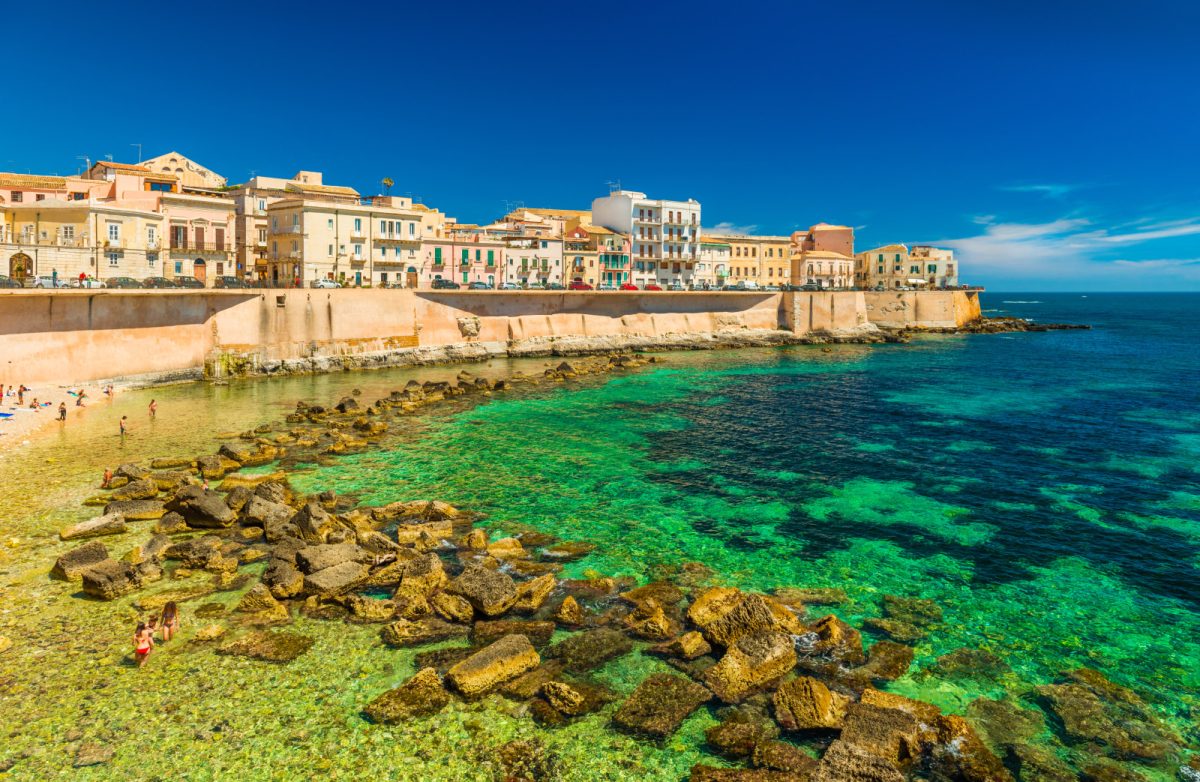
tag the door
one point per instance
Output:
(20, 266)
(199, 269)
(219, 235)
(200, 238)
(410, 277)
(357, 279)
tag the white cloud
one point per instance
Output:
(730, 228)
(1047, 190)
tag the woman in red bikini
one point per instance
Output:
(143, 642)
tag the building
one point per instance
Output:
(712, 265)
(762, 260)
(935, 265)
(464, 254)
(824, 256)
(596, 255)
(885, 267)
(664, 235)
(190, 174)
(552, 222)
(377, 241)
(533, 260)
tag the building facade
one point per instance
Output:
(186, 171)
(935, 265)
(596, 256)
(664, 235)
(712, 265)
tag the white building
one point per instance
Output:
(934, 265)
(664, 235)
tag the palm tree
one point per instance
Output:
(387, 184)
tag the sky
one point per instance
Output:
(1053, 146)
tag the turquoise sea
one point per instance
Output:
(1043, 488)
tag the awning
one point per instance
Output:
(913, 281)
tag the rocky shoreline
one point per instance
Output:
(798, 693)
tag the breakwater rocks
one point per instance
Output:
(998, 326)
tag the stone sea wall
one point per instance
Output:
(155, 336)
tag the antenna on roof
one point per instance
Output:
(109, 156)
(613, 186)
(139, 146)
(87, 162)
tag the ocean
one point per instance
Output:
(1042, 488)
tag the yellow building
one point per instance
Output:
(762, 260)
(191, 175)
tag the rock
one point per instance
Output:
(527, 760)
(485, 632)
(574, 699)
(590, 649)
(651, 622)
(259, 512)
(209, 633)
(970, 664)
(569, 612)
(110, 579)
(703, 773)
(283, 579)
(831, 637)
(251, 482)
(659, 705)
(278, 492)
(661, 592)
(452, 608)
(568, 551)
(141, 489)
(927, 713)
(475, 540)
(108, 524)
(203, 508)
(845, 762)
(314, 523)
(263, 607)
(137, 510)
(215, 467)
(195, 553)
(420, 696)
(336, 580)
(152, 550)
(912, 610)
(530, 684)
(346, 404)
(531, 594)
(688, 646)
(494, 665)
(417, 509)
(367, 610)
(1039, 764)
(1004, 723)
(91, 754)
(171, 524)
(888, 661)
(727, 617)
(781, 756)
(813, 596)
(131, 471)
(155, 603)
(896, 629)
(490, 592)
(326, 555)
(270, 646)
(892, 734)
(1123, 729)
(506, 548)
(405, 632)
(423, 575)
(753, 660)
(807, 704)
(428, 535)
(737, 739)
(960, 754)
(70, 566)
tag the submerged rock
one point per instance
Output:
(807, 704)
(590, 649)
(737, 738)
(485, 632)
(752, 661)
(108, 524)
(137, 510)
(569, 612)
(420, 696)
(203, 508)
(892, 734)
(688, 646)
(336, 580)
(269, 646)
(92, 754)
(528, 760)
(490, 592)
(846, 762)
(660, 704)
(493, 665)
(784, 757)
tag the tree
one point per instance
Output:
(387, 184)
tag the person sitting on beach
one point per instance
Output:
(143, 642)
(108, 476)
(34, 405)
(170, 620)
(108, 391)
(80, 397)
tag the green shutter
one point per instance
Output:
(437, 255)
(464, 258)
(491, 258)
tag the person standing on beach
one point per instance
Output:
(143, 642)
(153, 408)
(108, 476)
(62, 411)
(124, 426)
(21, 395)
(170, 620)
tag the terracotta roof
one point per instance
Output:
(594, 229)
(34, 181)
(122, 166)
(830, 226)
(303, 187)
(557, 212)
(826, 254)
(889, 248)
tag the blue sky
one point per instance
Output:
(1053, 145)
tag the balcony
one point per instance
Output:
(287, 229)
(200, 247)
(357, 233)
(395, 237)
(648, 220)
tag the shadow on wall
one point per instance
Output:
(35, 312)
(608, 304)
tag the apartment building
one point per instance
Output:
(935, 265)
(533, 260)
(187, 172)
(824, 256)
(596, 255)
(763, 260)
(463, 253)
(712, 265)
(377, 241)
(886, 267)
(664, 235)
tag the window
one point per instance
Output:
(881, 270)
(897, 257)
(545, 245)
(40, 197)
(262, 235)
(491, 258)
(275, 223)
(152, 260)
(296, 219)
(114, 259)
(114, 232)
(17, 196)
(179, 267)
(437, 256)
(331, 251)
(68, 232)
(383, 226)
(464, 255)
(330, 222)
(358, 251)
(294, 247)
(914, 269)
(412, 228)
(262, 204)
(358, 225)
(932, 268)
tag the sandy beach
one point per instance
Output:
(20, 423)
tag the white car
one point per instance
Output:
(48, 281)
(325, 284)
(90, 282)
(509, 286)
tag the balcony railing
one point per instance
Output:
(200, 247)
(287, 229)
(395, 237)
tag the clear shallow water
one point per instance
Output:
(1043, 488)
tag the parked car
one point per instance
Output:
(579, 285)
(535, 286)
(9, 282)
(449, 285)
(675, 287)
(628, 286)
(158, 282)
(554, 286)
(122, 282)
(229, 281)
(49, 281)
(479, 286)
(184, 281)
(772, 288)
(810, 286)
(651, 287)
(607, 286)
(87, 282)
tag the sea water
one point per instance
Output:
(1042, 488)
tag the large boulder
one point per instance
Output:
(269, 646)
(485, 632)
(314, 523)
(203, 508)
(423, 575)
(490, 592)
(961, 754)
(832, 638)
(533, 593)
(590, 649)
(262, 606)
(406, 632)
(688, 646)
(752, 661)
(737, 737)
(893, 734)
(137, 510)
(283, 579)
(326, 555)
(141, 489)
(216, 466)
(807, 704)
(336, 580)
(260, 512)
(452, 608)
(108, 524)
(846, 762)
(420, 696)
(197, 552)
(1094, 711)
(728, 616)
(660, 704)
(110, 579)
(131, 471)
(494, 665)
(422, 510)
(70, 566)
